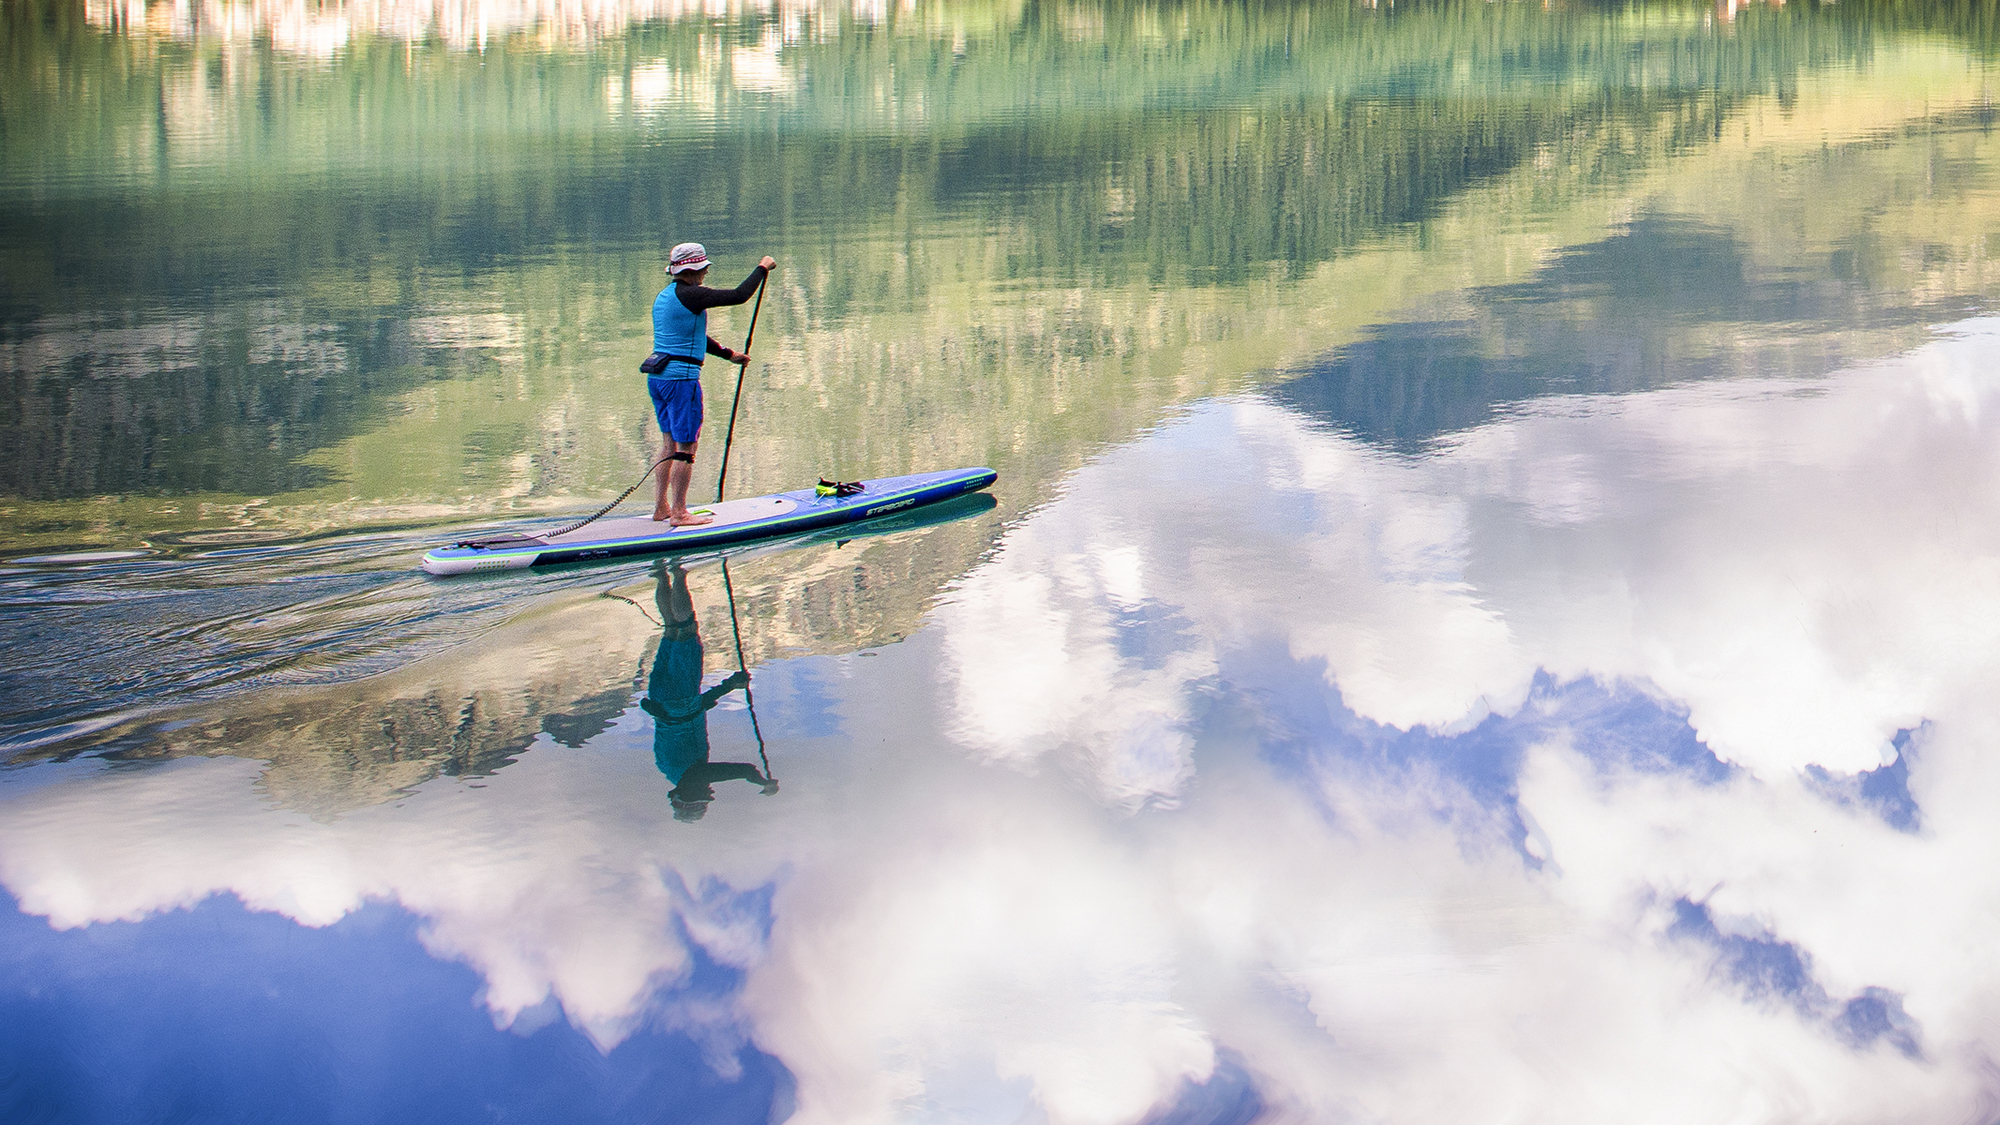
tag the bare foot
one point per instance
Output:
(660, 513)
(691, 519)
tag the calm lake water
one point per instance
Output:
(1489, 612)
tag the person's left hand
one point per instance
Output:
(738, 358)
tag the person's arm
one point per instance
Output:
(703, 702)
(699, 297)
(714, 695)
(708, 773)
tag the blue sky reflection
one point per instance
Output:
(221, 1013)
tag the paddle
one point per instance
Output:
(730, 435)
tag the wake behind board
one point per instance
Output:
(736, 521)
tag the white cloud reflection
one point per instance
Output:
(1173, 847)
(1808, 567)
(512, 880)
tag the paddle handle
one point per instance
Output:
(729, 436)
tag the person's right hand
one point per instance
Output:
(738, 679)
(769, 263)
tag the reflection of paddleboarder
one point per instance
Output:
(680, 708)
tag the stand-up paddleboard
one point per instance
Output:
(736, 521)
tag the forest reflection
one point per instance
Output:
(997, 219)
(1665, 300)
(1105, 145)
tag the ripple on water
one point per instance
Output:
(96, 637)
(77, 557)
(102, 641)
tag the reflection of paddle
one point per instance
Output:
(749, 700)
(730, 435)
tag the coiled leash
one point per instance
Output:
(501, 542)
(601, 512)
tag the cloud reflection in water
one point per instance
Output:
(1662, 644)
(1538, 773)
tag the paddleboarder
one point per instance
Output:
(680, 708)
(680, 342)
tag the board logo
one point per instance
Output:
(889, 507)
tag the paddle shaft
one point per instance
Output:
(729, 436)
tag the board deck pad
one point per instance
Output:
(736, 521)
(627, 528)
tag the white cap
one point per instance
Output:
(687, 256)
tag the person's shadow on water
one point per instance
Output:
(680, 708)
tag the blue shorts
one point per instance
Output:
(677, 404)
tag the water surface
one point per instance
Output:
(1486, 612)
